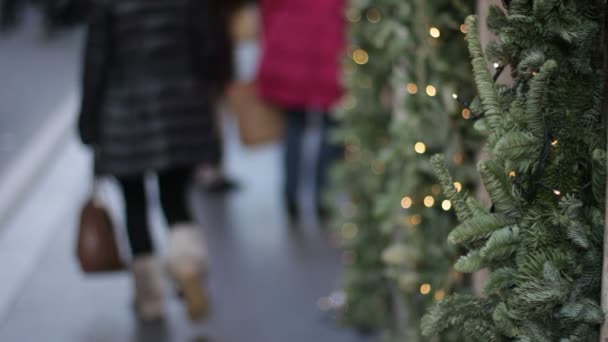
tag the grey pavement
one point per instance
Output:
(36, 76)
(266, 275)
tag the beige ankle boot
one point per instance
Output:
(149, 280)
(188, 265)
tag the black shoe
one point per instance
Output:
(221, 185)
(323, 213)
(292, 210)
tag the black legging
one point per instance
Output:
(172, 184)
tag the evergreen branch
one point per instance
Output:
(465, 313)
(518, 146)
(479, 227)
(501, 244)
(445, 179)
(536, 98)
(499, 187)
(500, 279)
(483, 78)
(470, 263)
(504, 322)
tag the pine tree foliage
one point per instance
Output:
(399, 110)
(542, 238)
(434, 67)
(364, 116)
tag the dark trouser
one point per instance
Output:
(173, 184)
(328, 153)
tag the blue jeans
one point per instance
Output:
(328, 153)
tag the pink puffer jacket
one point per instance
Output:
(304, 42)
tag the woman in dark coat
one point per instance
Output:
(153, 71)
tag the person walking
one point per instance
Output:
(303, 42)
(153, 70)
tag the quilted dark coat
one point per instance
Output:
(153, 70)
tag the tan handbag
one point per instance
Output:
(259, 123)
(245, 24)
(96, 247)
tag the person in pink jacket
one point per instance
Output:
(303, 45)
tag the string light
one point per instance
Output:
(349, 210)
(416, 219)
(350, 231)
(466, 113)
(348, 258)
(373, 15)
(431, 91)
(555, 143)
(458, 159)
(420, 147)
(557, 192)
(425, 289)
(446, 205)
(458, 186)
(378, 167)
(496, 65)
(360, 56)
(412, 88)
(439, 295)
(512, 174)
(406, 202)
(349, 102)
(434, 32)
(353, 15)
(455, 96)
(436, 189)
(429, 201)
(365, 82)
(463, 28)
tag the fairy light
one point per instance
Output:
(349, 210)
(496, 65)
(373, 16)
(412, 88)
(429, 201)
(360, 56)
(434, 32)
(350, 231)
(406, 202)
(420, 147)
(513, 174)
(436, 189)
(439, 295)
(458, 186)
(455, 96)
(557, 192)
(463, 28)
(416, 219)
(458, 159)
(466, 113)
(446, 205)
(348, 258)
(431, 90)
(378, 167)
(555, 143)
(425, 289)
(353, 15)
